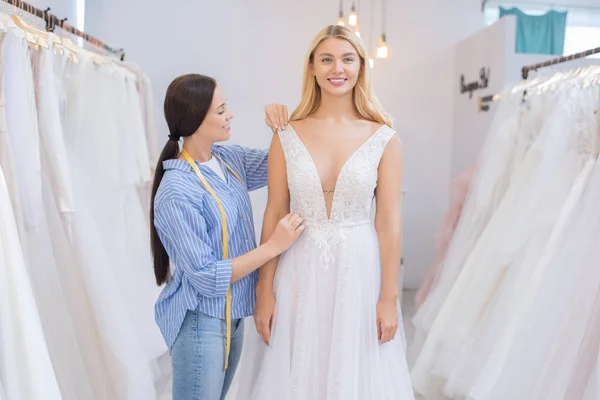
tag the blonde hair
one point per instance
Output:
(365, 103)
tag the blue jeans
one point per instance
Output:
(198, 356)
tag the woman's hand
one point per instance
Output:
(286, 232)
(276, 116)
(264, 313)
(387, 320)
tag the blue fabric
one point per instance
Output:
(198, 355)
(539, 34)
(188, 222)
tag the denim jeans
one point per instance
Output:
(198, 356)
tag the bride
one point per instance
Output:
(327, 310)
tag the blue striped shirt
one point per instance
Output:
(188, 222)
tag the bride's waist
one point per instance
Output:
(335, 225)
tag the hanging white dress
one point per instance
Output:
(93, 139)
(592, 391)
(60, 208)
(7, 161)
(504, 326)
(136, 226)
(324, 342)
(557, 357)
(543, 356)
(501, 153)
(26, 371)
(584, 377)
(144, 89)
(508, 240)
(20, 110)
(44, 272)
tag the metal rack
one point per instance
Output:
(52, 21)
(484, 100)
(525, 70)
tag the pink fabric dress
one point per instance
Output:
(459, 187)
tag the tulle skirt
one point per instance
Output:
(324, 342)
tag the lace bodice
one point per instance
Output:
(355, 187)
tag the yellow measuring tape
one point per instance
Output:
(190, 161)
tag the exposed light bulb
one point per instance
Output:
(353, 18)
(382, 52)
(357, 29)
(382, 48)
(340, 20)
(371, 63)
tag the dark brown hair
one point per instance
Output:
(187, 102)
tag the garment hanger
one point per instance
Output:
(583, 75)
(73, 49)
(35, 36)
(69, 45)
(579, 75)
(590, 76)
(58, 46)
(526, 84)
(552, 82)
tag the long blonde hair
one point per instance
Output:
(366, 104)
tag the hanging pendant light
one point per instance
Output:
(369, 38)
(353, 18)
(357, 29)
(382, 48)
(340, 20)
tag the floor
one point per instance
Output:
(165, 387)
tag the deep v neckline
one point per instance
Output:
(329, 214)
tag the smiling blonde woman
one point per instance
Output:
(327, 312)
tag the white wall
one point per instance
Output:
(256, 50)
(415, 85)
(493, 48)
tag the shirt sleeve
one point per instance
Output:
(255, 165)
(183, 231)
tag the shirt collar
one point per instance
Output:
(182, 165)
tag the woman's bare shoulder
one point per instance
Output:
(371, 126)
(301, 126)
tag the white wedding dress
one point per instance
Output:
(324, 342)
(113, 276)
(23, 348)
(525, 253)
(501, 154)
(482, 344)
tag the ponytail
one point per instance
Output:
(161, 258)
(187, 102)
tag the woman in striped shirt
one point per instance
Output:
(202, 224)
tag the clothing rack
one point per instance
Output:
(483, 100)
(52, 21)
(525, 70)
(487, 99)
